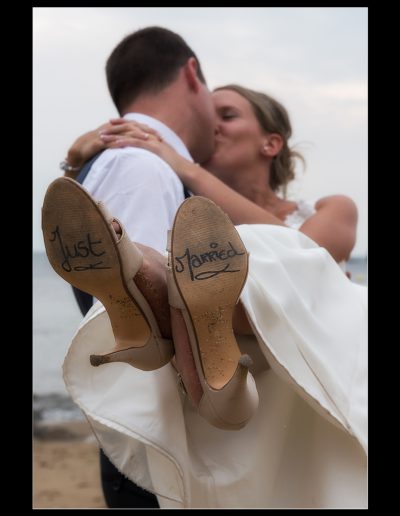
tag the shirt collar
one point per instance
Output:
(169, 136)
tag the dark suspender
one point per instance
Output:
(84, 300)
(86, 168)
(186, 192)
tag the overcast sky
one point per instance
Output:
(314, 60)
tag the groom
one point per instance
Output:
(156, 79)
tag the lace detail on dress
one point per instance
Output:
(298, 217)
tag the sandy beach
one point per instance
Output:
(66, 470)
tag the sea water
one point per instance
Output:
(56, 317)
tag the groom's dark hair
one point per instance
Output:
(146, 61)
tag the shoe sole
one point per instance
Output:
(209, 263)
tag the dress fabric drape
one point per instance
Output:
(305, 447)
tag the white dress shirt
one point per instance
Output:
(139, 188)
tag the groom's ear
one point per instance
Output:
(190, 72)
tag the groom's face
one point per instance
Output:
(204, 127)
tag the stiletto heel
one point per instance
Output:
(83, 249)
(207, 270)
(237, 401)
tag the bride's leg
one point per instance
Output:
(151, 281)
(184, 360)
(240, 322)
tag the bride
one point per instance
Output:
(306, 444)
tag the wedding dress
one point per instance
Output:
(305, 447)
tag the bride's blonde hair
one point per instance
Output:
(273, 118)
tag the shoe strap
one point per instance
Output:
(105, 211)
(174, 297)
(131, 256)
(169, 236)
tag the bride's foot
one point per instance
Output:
(129, 280)
(151, 279)
(208, 268)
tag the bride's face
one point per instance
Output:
(238, 137)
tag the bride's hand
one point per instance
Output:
(94, 141)
(138, 135)
(86, 146)
(122, 128)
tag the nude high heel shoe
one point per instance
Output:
(208, 266)
(83, 249)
